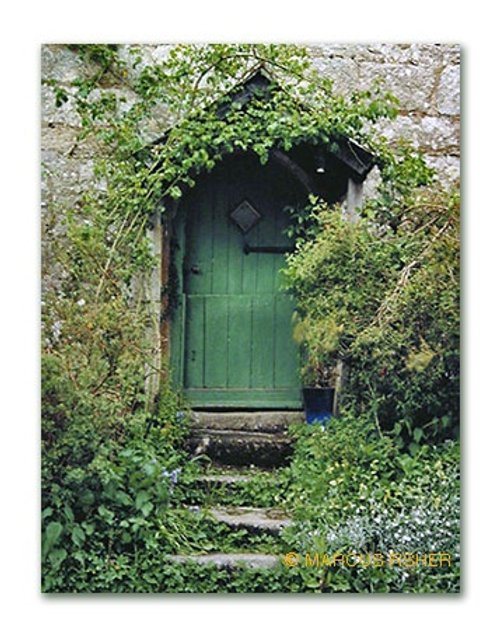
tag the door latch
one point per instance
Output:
(271, 249)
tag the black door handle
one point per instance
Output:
(271, 249)
(195, 269)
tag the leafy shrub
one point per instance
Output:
(389, 308)
(101, 496)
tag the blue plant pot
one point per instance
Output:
(318, 405)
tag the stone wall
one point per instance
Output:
(424, 77)
(426, 80)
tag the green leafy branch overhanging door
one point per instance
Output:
(238, 345)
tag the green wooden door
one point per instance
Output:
(238, 345)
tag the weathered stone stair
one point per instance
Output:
(233, 441)
(230, 561)
(255, 521)
(242, 439)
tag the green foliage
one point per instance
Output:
(262, 489)
(349, 490)
(103, 489)
(110, 504)
(403, 172)
(352, 490)
(193, 85)
(337, 279)
(171, 415)
(389, 308)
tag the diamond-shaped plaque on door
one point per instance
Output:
(245, 216)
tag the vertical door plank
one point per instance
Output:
(195, 341)
(262, 341)
(239, 341)
(199, 246)
(287, 356)
(216, 341)
(235, 237)
(235, 256)
(220, 232)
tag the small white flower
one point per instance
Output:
(81, 302)
(56, 329)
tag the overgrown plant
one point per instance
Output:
(353, 491)
(388, 308)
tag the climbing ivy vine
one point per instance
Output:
(119, 103)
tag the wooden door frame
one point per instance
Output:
(169, 226)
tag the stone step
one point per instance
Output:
(241, 448)
(243, 438)
(216, 487)
(230, 561)
(223, 479)
(254, 520)
(254, 421)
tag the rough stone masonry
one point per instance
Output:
(424, 77)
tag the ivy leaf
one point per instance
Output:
(141, 499)
(418, 434)
(414, 448)
(51, 536)
(106, 514)
(78, 536)
(57, 557)
(175, 192)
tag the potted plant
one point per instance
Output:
(318, 338)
